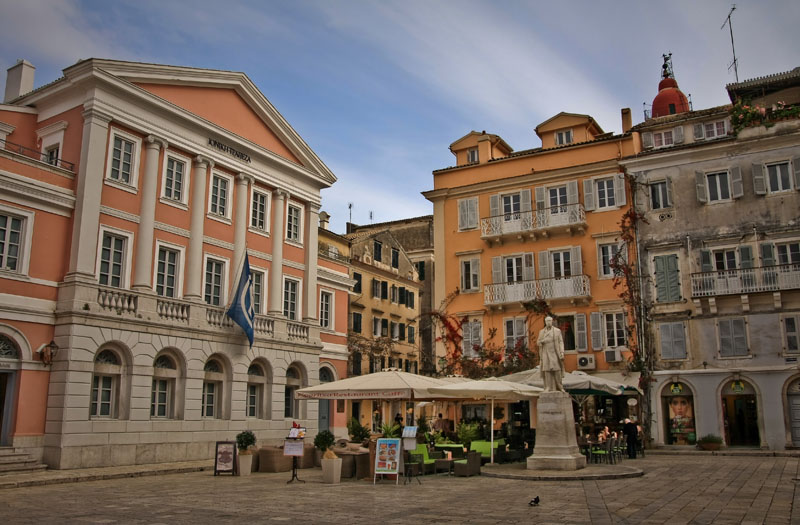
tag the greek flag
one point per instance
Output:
(241, 310)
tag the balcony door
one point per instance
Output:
(558, 206)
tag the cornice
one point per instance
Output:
(52, 128)
(23, 190)
(119, 214)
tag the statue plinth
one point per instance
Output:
(556, 444)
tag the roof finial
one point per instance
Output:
(666, 69)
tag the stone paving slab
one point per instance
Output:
(592, 471)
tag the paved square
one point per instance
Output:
(675, 489)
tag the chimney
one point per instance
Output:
(19, 80)
(324, 218)
(626, 120)
(484, 148)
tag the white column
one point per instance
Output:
(242, 198)
(143, 271)
(311, 253)
(194, 262)
(86, 222)
(276, 268)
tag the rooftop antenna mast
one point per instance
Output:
(735, 63)
(350, 207)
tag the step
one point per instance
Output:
(7, 470)
(4, 451)
(13, 458)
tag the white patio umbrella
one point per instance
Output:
(490, 388)
(388, 384)
(577, 382)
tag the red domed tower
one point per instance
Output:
(670, 99)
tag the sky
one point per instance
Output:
(380, 89)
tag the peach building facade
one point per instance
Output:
(540, 224)
(130, 195)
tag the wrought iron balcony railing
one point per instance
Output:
(36, 154)
(567, 215)
(746, 280)
(547, 289)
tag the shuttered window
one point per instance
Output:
(468, 213)
(673, 340)
(732, 337)
(668, 285)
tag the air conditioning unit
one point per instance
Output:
(613, 356)
(586, 362)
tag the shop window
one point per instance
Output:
(678, 404)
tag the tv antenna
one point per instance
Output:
(370, 216)
(350, 207)
(735, 63)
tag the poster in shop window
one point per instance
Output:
(387, 456)
(681, 417)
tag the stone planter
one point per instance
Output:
(709, 446)
(331, 470)
(245, 464)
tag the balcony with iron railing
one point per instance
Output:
(567, 217)
(572, 287)
(129, 305)
(35, 154)
(746, 280)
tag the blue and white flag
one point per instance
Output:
(241, 310)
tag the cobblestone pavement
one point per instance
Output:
(674, 489)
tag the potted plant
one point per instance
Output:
(467, 433)
(245, 440)
(390, 430)
(709, 442)
(358, 433)
(331, 464)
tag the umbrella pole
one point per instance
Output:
(491, 435)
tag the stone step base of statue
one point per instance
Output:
(556, 444)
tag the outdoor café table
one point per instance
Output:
(444, 464)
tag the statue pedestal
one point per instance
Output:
(556, 444)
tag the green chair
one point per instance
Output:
(428, 463)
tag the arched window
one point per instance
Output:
(257, 403)
(162, 395)
(291, 405)
(213, 383)
(8, 349)
(106, 385)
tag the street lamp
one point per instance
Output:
(48, 352)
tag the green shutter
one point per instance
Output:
(767, 254)
(705, 261)
(661, 278)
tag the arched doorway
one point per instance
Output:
(324, 418)
(10, 352)
(740, 414)
(793, 402)
(677, 402)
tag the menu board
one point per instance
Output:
(293, 447)
(225, 457)
(387, 456)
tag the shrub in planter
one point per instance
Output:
(245, 440)
(358, 432)
(324, 440)
(710, 442)
(390, 430)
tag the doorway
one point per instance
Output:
(324, 417)
(740, 417)
(6, 385)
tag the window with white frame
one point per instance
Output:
(513, 268)
(732, 337)
(561, 263)
(174, 188)
(219, 198)
(468, 213)
(393, 293)
(779, 177)
(162, 393)
(214, 282)
(558, 199)
(51, 155)
(660, 197)
(114, 259)
(713, 129)
(294, 230)
(412, 336)
(472, 155)
(291, 292)
(718, 186)
(256, 387)
(791, 334)
(564, 137)
(167, 267)
(258, 290)
(326, 309)
(662, 139)
(213, 381)
(395, 327)
(104, 402)
(15, 237)
(615, 329)
(472, 337)
(470, 275)
(291, 404)
(515, 332)
(259, 211)
(673, 340)
(123, 153)
(376, 326)
(788, 253)
(511, 206)
(609, 255)
(605, 193)
(50, 138)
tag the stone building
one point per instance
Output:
(720, 252)
(131, 193)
